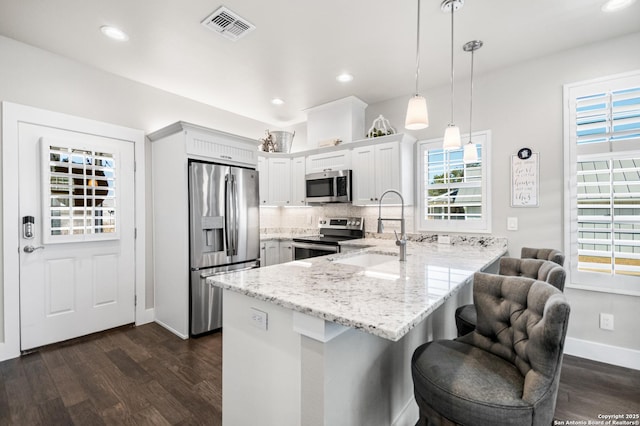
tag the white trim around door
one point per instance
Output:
(12, 115)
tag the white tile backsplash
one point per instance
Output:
(307, 217)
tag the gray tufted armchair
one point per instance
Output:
(542, 253)
(507, 371)
(542, 270)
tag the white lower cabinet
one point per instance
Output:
(273, 252)
(286, 251)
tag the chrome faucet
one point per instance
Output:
(402, 241)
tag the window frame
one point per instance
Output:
(48, 237)
(482, 137)
(573, 153)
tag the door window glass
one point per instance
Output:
(79, 193)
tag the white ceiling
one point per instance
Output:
(298, 47)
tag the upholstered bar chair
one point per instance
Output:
(542, 253)
(505, 372)
(543, 270)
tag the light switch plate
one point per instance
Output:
(512, 224)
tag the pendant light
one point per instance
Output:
(452, 133)
(417, 114)
(470, 149)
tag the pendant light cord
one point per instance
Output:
(471, 97)
(452, 11)
(418, 48)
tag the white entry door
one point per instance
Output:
(77, 244)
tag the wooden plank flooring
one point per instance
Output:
(128, 376)
(147, 376)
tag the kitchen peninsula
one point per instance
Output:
(328, 340)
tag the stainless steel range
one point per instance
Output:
(332, 231)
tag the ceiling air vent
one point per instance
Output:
(228, 24)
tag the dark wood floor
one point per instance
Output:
(147, 376)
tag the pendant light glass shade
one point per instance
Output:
(470, 149)
(470, 153)
(452, 137)
(417, 114)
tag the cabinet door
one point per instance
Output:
(263, 253)
(263, 179)
(297, 181)
(387, 171)
(333, 160)
(272, 253)
(279, 181)
(286, 251)
(364, 181)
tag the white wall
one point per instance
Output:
(522, 105)
(31, 76)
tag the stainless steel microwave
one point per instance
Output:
(332, 186)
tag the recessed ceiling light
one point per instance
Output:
(277, 101)
(615, 5)
(114, 33)
(344, 77)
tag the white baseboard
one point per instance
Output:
(174, 331)
(600, 352)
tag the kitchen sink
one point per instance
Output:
(367, 260)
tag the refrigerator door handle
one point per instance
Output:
(236, 214)
(227, 214)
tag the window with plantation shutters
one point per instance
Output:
(79, 193)
(454, 195)
(602, 168)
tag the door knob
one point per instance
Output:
(31, 249)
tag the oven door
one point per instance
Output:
(306, 250)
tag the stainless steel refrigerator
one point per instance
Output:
(224, 234)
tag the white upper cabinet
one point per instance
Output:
(263, 188)
(381, 166)
(332, 160)
(363, 182)
(298, 187)
(279, 181)
(377, 164)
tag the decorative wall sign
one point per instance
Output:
(524, 179)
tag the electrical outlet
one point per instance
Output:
(444, 239)
(258, 318)
(606, 321)
(512, 224)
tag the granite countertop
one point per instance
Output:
(387, 298)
